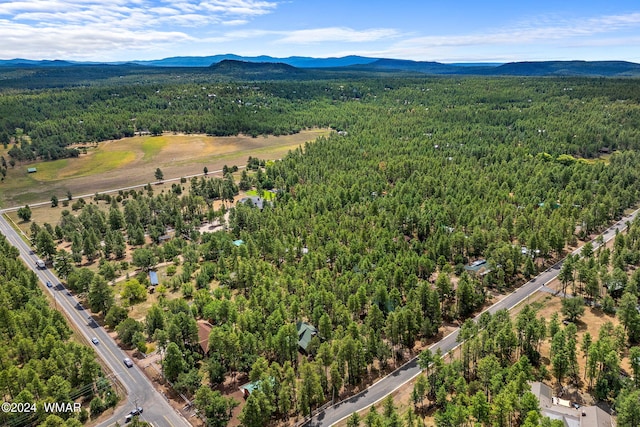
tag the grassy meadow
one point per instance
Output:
(133, 161)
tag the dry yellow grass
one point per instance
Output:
(133, 161)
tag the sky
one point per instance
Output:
(422, 30)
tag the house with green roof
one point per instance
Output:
(306, 331)
(249, 388)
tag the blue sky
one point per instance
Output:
(426, 30)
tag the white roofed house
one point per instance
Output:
(570, 413)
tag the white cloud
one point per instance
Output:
(239, 7)
(534, 33)
(528, 40)
(120, 12)
(93, 29)
(77, 42)
(71, 28)
(304, 37)
(336, 34)
(235, 22)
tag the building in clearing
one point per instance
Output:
(256, 201)
(32, 170)
(570, 414)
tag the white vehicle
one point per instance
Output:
(40, 263)
(132, 414)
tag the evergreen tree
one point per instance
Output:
(100, 295)
(173, 363)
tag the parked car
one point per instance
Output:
(127, 362)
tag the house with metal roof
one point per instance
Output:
(306, 331)
(249, 388)
(153, 278)
(569, 413)
(479, 267)
(256, 201)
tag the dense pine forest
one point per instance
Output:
(511, 110)
(366, 237)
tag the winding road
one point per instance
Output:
(387, 385)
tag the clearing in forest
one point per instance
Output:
(133, 161)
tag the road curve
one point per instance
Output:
(140, 391)
(410, 370)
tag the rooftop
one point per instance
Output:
(306, 331)
(255, 201)
(476, 265)
(204, 329)
(153, 278)
(559, 409)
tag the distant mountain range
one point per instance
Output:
(295, 61)
(267, 67)
(206, 61)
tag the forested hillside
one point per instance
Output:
(370, 229)
(39, 363)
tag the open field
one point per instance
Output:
(132, 161)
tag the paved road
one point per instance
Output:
(139, 389)
(410, 370)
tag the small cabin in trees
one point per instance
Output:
(249, 388)
(479, 267)
(306, 331)
(256, 201)
(204, 329)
